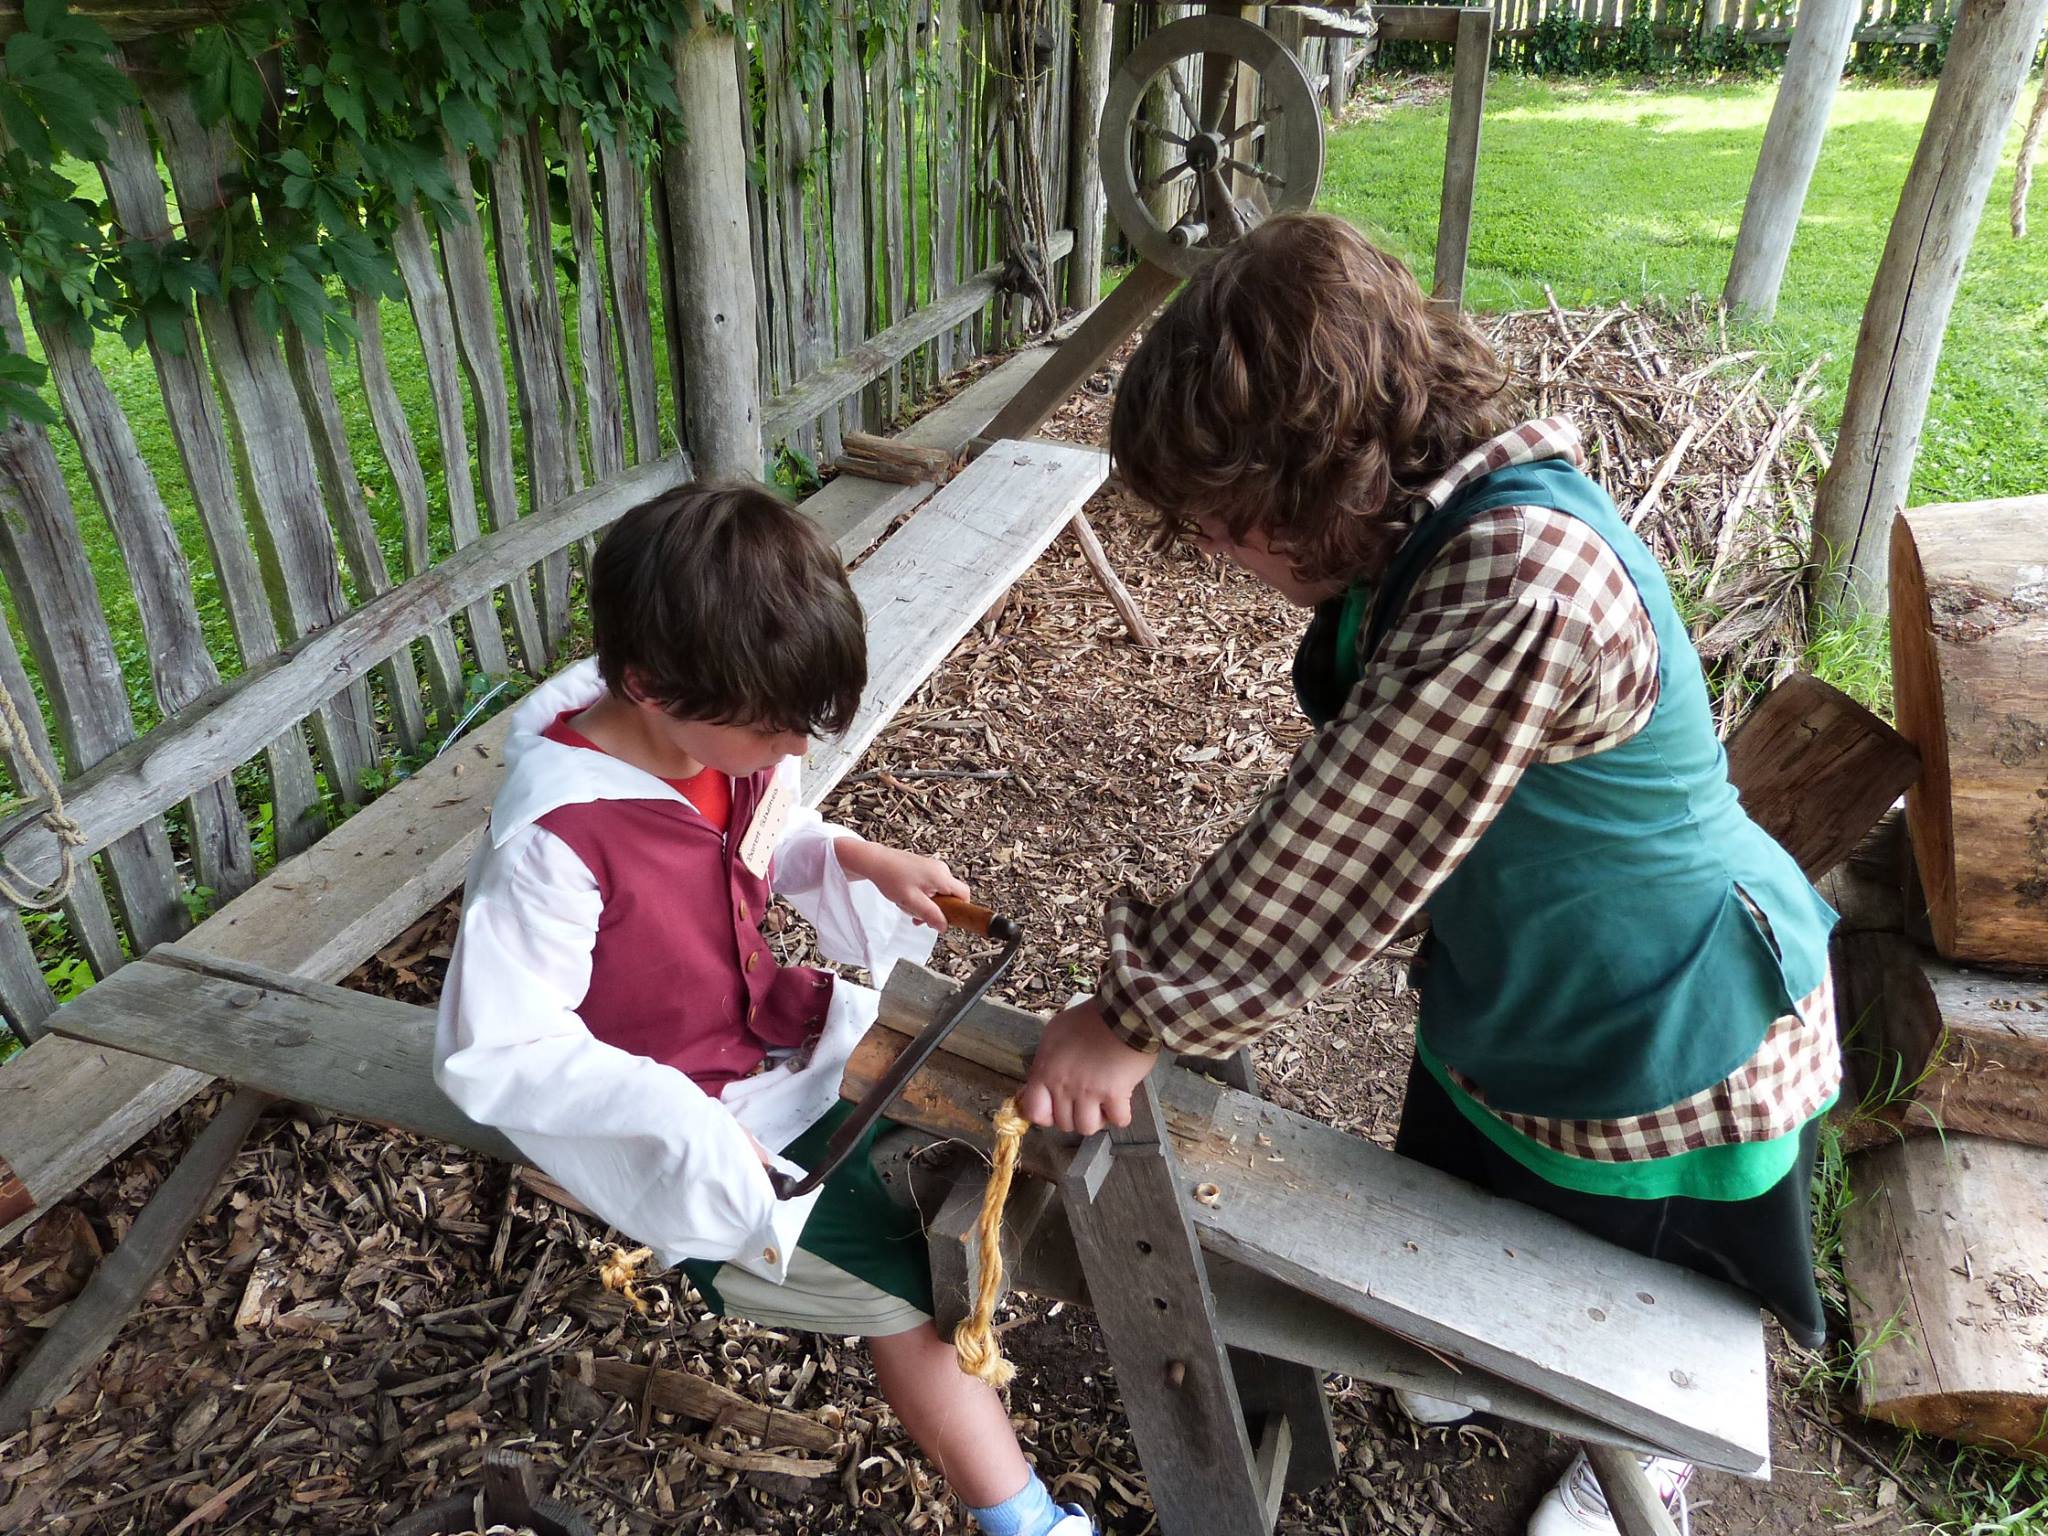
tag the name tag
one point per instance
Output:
(764, 831)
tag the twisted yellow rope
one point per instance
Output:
(15, 741)
(975, 1340)
(620, 1271)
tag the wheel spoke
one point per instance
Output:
(1257, 173)
(1228, 107)
(1152, 130)
(1180, 89)
(1152, 184)
(1253, 126)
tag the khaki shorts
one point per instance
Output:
(817, 1297)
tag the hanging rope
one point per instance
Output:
(975, 1340)
(2023, 174)
(18, 746)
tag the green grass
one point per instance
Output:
(1609, 193)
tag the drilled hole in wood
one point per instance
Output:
(1159, 1302)
(1143, 1246)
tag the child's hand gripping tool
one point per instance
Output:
(959, 914)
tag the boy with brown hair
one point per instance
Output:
(1626, 1017)
(612, 1006)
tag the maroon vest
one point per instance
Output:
(680, 972)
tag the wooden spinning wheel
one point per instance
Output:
(1228, 162)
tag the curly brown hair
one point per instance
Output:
(1302, 386)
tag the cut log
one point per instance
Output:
(1970, 671)
(1931, 1047)
(1817, 770)
(1945, 1247)
(898, 463)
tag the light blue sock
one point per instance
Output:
(1029, 1511)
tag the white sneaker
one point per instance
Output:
(1074, 1523)
(1577, 1506)
(1432, 1412)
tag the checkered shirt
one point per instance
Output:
(1523, 642)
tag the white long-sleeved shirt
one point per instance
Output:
(632, 1138)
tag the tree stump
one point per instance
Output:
(1970, 672)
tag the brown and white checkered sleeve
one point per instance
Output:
(1524, 641)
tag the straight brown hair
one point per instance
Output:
(1302, 386)
(724, 603)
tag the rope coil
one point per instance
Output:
(17, 746)
(975, 1339)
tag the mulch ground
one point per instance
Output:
(362, 1314)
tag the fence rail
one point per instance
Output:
(244, 578)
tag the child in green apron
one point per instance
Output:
(1626, 1017)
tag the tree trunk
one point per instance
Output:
(720, 390)
(1944, 1248)
(1799, 120)
(1969, 638)
(1900, 341)
(1086, 208)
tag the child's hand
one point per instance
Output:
(909, 879)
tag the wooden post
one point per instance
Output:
(1799, 120)
(1086, 210)
(1472, 53)
(1900, 341)
(1145, 1273)
(714, 267)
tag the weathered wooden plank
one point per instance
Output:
(58, 608)
(276, 448)
(162, 768)
(848, 167)
(862, 364)
(1107, 326)
(885, 216)
(929, 583)
(180, 665)
(419, 270)
(476, 340)
(801, 293)
(1665, 1354)
(853, 513)
(409, 480)
(365, 1057)
(546, 416)
(97, 1314)
(1148, 1287)
(85, 909)
(192, 410)
(769, 333)
(714, 279)
(540, 227)
(25, 996)
(351, 514)
(1470, 62)
(945, 133)
(625, 251)
(597, 337)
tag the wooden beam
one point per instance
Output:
(96, 1315)
(1108, 326)
(1471, 59)
(364, 1057)
(927, 585)
(1631, 1498)
(183, 754)
(720, 390)
(1791, 149)
(1900, 340)
(853, 370)
(1665, 1354)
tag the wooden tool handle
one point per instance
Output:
(966, 914)
(975, 918)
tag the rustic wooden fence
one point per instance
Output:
(272, 513)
